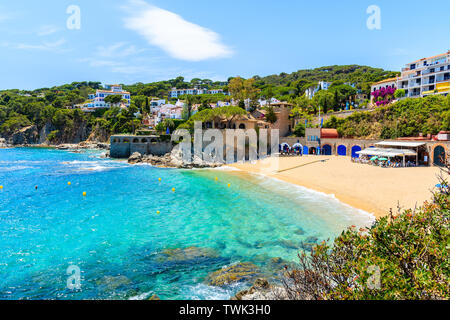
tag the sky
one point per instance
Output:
(46, 43)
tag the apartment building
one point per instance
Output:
(176, 93)
(427, 76)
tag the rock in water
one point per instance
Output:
(110, 283)
(187, 254)
(262, 290)
(135, 158)
(236, 273)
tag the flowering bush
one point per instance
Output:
(384, 96)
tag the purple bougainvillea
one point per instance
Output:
(384, 96)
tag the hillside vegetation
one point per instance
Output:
(406, 118)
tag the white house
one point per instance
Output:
(322, 85)
(98, 99)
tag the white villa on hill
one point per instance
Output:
(97, 100)
(322, 85)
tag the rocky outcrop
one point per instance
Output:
(135, 158)
(262, 290)
(3, 143)
(169, 161)
(27, 135)
(239, 272)
(99, 134)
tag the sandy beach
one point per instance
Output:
(372, 189)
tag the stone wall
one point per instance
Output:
(124, 146)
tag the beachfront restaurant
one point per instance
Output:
(397, 153)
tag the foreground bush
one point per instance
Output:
(400, 257)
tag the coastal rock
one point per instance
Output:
(262, 290)
(236, 273)
(186, 254)
(111, 283)
(3, 143)
(27, 135)
(135, 158)
(159, 161)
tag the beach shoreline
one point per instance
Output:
(371, 189)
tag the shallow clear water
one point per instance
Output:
(116, 238)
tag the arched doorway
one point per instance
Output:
(355, 149)
(327, 150)
(439, 156)
(305, 150)
(342, 150)
(242, 126)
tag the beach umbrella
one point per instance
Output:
(441, 186)
(373, 158)
(383, 159)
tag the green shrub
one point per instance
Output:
(400, 257)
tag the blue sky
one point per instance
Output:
(132, 41)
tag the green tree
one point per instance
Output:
(114, 99)
(299, 130)
(271, 116)
(399, 93)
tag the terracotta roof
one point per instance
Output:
(386, 80)
(329, 133)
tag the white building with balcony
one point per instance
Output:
(427, 76)
(97, 100)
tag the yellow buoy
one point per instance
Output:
(173, 189)
(69, 183)
(1, 187)
(217, 179)
(84, 194)
(157, 212)
(159, 179)
(229, 185)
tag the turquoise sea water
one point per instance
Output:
(117, 239)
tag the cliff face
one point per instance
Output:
(34, 135)
(27, 135)
(99, 135)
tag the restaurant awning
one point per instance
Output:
(401, 144)
(387, 153)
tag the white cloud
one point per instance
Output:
(181, 39)
(47, 30)
(54, 46)
(118, 50)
